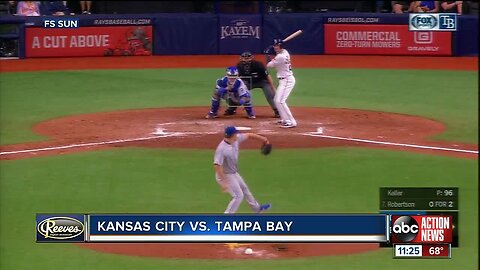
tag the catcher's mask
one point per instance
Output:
(232, 74)
(246, 57)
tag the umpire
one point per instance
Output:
(248, 67)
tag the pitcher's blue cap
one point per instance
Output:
(229, 131)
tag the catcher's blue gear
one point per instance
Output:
(222, 92)
(233, 90)
(232, 72)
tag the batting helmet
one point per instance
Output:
(277, 42)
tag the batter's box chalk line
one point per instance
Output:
(161, 132)
(243, 128)
(81, 145)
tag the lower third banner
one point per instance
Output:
(237, 228)
(88, 41)
(385, 40)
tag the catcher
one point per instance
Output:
(259, 78)
(234, 91)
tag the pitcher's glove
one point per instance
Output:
(266, 148)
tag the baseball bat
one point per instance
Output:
(292, 36)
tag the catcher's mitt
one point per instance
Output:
(266, 148)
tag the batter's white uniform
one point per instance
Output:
(286, 82)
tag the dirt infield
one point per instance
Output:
(231, 250)
(187, 128)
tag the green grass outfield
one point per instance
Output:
(155, 180)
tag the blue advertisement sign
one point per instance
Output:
(239, 33)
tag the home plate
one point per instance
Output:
(243, 128)
(159, 131)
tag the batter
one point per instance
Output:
(226, 171)
(286, 82)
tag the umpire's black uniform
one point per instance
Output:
(255, 75)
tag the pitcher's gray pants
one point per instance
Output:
(239, 190)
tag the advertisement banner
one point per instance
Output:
(344, 228)
(239, 33)
(88, 41)
(385, 40)
(96, 20)
(358, 18)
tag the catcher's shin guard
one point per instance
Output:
(246, 101)
(249, 109)
(215, 105)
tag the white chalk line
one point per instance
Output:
(316, 134)
(160, 133)
(87, 144)
(176, 134)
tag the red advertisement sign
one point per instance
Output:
(384, 39)
(88, 41)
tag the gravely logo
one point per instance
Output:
(240, 29)
(60, 228)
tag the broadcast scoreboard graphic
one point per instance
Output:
(424, 221)
(418, 222)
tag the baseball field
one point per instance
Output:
(129, 135)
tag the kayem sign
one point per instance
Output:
(88, 41)
(384, 39)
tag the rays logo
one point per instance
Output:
(424, 21)
(68, 228)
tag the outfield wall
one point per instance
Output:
(195, 33)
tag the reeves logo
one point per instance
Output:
(424, 22)
(60, 228)
(405, 229)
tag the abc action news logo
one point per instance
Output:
(421, 229)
